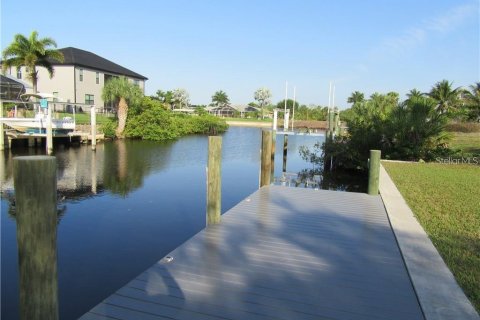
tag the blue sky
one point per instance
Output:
(239, 46)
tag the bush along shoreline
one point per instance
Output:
(151, 120)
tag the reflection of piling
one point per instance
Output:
(214, 180)
(36, 215)
(93, 125)
(266, 161)
(374, 172)
(285, 151)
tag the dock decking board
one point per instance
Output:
(282, 253)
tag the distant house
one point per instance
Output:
(224, 111)
(238, 110)
(80, 78)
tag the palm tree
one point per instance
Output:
(356, 97)
(122, 92)
(447, 98)
(31, 52)
(220, 99)
(472, 100)
(414, 94)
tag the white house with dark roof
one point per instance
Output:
(80, 77)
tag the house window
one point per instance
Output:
(136, 82)
(89, 99)
(19, 73)
(98, 77)
(55, 97)
(81, 75)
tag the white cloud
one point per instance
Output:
(415, 36)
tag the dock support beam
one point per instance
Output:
(93, 127)
(214, 180)
(275, 119)
(49, 131)
(274, 142)
(286, 120)
(35, 185)
(285, 151)
(336, 121)
(266, 158)
(374, 172)
(2, 132)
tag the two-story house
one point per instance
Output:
(80, 77)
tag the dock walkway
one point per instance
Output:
(282, 253)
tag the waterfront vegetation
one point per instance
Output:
(444, 198)
(152, 120)
(415, 129)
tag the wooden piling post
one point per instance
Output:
(35, 186)
(274, 142)
(331, 117)
(275, 119)
(2, 132)
(374, 172)
(336, 124)
(214, 180)
(285, 151)
(266, 160)
(49, 131)
(93, 126)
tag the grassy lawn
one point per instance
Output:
(445, 200)
(84, 118)
(466, 142)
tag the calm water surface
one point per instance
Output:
(129, 204)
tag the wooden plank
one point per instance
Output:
(282, 253)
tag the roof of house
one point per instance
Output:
(82, 58)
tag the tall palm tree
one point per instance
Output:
(220, 99)
(447, 99)
(472, 100)
(31, 52)
(356, 97)
(414, 94)
(122, 92)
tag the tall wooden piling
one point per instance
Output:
(214, 180)
(36, 216)
(49, 131)
(274, 142)
(374, 172)
(285, 151)
(336, 122)
(93, 126)
(266, 158)
(2, 132)
(331, 119)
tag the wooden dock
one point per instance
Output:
(282, 253)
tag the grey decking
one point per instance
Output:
(282, 253)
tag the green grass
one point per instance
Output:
(445, 200)
(84, 118)
(466, 142)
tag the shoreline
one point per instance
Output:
(249, 124)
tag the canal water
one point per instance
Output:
(130, 203)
